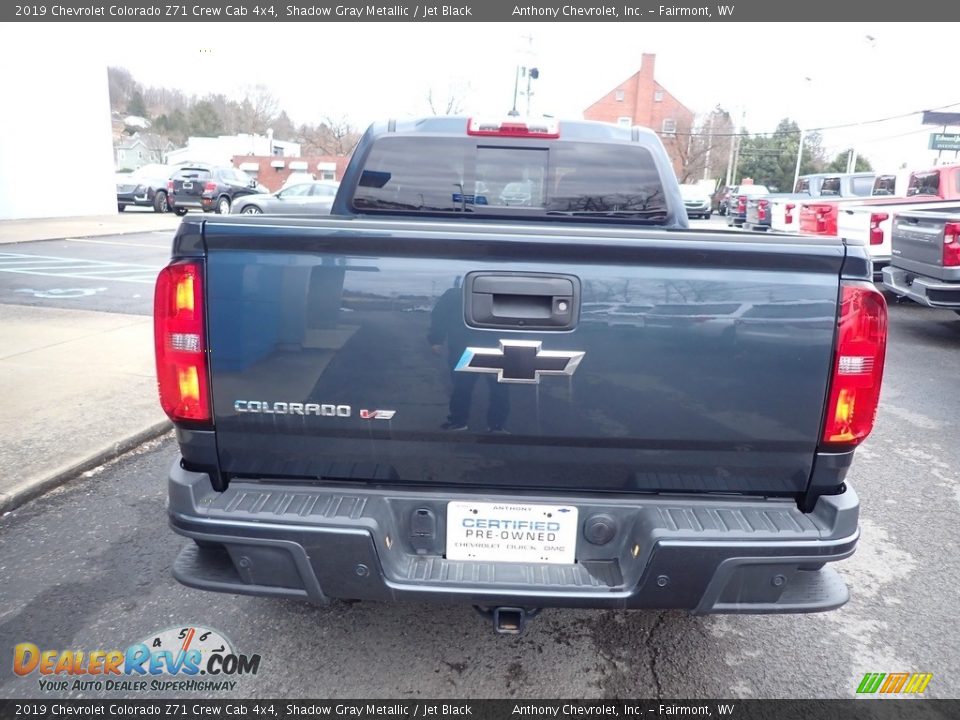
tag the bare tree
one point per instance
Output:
(257, 110)
(450, 102)
(333, 136)
(700, 147)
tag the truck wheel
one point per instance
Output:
(223, 205)
(181, 211)
(160, 204)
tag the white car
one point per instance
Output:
(698, 201)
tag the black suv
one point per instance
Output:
(208, 188)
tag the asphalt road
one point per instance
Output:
(108, 274)
(88, 566)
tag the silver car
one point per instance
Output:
(310, 198)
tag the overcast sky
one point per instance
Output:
(373, 70)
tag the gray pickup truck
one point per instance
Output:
(925, 261)
(505, 373)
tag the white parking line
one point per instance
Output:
(51, 266)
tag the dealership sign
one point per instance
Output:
(945, 141)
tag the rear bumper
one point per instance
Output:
(924, 290)
(132, 199)
(194, 202)
(705, 555)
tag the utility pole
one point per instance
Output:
(729, 180)
(796, 172)
(736, 153)
(516, 87)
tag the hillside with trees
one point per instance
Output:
(175, 116)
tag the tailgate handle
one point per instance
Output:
(534, 301)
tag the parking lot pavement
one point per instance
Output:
(107, 274)
(88, 566)
(76, 330)
(78, 386)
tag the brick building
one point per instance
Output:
(272, 171)
(641, 100)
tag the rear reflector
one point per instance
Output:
(876, 232)
(858, 365)
(512, 128)
(951, 244)
(178, 328)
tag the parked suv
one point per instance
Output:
(146, 186)
(208, 188)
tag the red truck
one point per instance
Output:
(819, 217)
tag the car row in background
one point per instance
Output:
(909, 221)
(221, 189)
(314, 198)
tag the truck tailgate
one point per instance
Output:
(693, 361)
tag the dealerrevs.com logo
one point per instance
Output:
(184, 659)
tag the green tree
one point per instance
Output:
(839, 164)
(203, 120)
(136, 105)
(771, 159)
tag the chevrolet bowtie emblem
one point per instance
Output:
(519, 361)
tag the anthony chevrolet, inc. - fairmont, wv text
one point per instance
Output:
(625, 11)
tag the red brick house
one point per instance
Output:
(273, 170)
(641, 100)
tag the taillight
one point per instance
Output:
(876, 234)
(178, 332)
(762, 209)
(210, 187)
(821, 217)
(169, 186)
(951, 244)
(741, 204)
(788, 217)
(858, 364)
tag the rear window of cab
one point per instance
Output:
(441, 176)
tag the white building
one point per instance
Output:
(221, 150)
(71, 105)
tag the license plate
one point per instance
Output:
(187, 185)
(511, 532)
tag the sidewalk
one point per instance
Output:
(79, 389)
(131, 221)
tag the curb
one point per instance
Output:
(32, 489)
